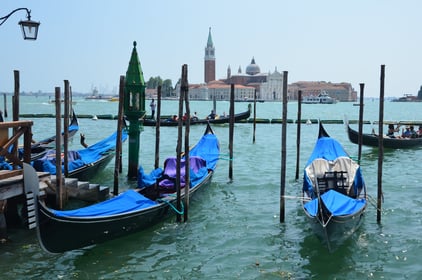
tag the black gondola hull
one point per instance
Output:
(392, 143)
(88, 171)
(339, 229)
(61, 234)
(221, 120)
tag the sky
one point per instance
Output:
(90, 42)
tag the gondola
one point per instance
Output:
(218, 120)
(371, 139)
(40, 148)
(85, 163)
(131, 211)
(334, 192)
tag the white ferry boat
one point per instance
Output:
(322, 98)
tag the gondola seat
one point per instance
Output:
(169, 174)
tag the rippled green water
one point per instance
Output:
(233, 230)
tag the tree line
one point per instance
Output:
(166, 85)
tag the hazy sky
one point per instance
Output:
(89, 42)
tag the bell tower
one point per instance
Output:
(209, 60)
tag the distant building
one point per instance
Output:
(340, 91)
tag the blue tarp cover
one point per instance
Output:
(327, 148)
(338, 204)
(126, 202)
(330, 149)
(80, 157)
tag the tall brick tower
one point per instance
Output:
(209, 60)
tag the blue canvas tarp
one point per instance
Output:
(338, 204)
(126, 202)
(327, 148)
(80, 157)
(329, 153)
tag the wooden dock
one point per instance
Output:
(11, 185)
(12, 193)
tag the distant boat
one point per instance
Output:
(96, 96)
(52, 101)
(218, 120)
(372, 139)
(407, 98)
(322, 98)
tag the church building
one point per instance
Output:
(268, 86)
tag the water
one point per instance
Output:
(233, 230)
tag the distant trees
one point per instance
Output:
(166, 85)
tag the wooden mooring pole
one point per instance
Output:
(66, 104)
(380, 143)
(283, 150)
(5, 105)
(157, 129)
(178, 154)
(16, 108)
(118, 154)
(59, 185)
(299, 121)
(231, 132)
(185, 92)
(254, 116)
(360, 139)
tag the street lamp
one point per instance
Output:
(29, 27)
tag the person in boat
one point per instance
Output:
(152, 105)
(185, 116)
(172, 119)
(419, 132)
(406, 133)
(211, 116)
(412, 132)
(391, 130)
(1, 116)
(194, 117)
(409, 132)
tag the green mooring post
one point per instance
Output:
(134, 109)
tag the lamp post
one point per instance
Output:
(29, 27)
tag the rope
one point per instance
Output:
(297, 197)
(172, 206)
(374, 202)
(224, 157)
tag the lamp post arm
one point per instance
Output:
(28, 14)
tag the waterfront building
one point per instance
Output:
(339, 91)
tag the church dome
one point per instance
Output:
(253, 68)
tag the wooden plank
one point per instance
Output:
(4, 174)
